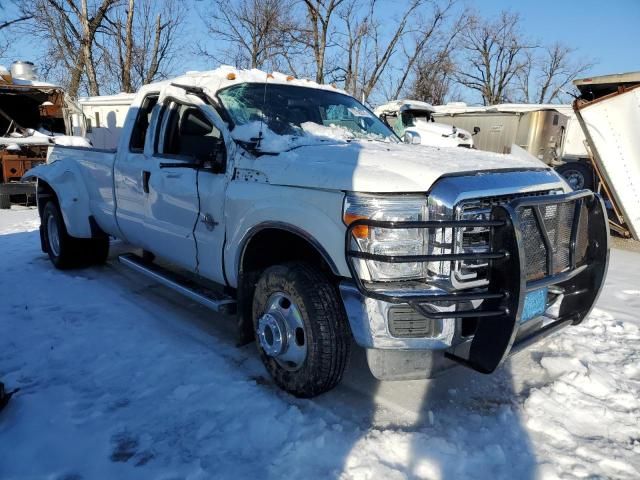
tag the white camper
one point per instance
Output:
(102, 118)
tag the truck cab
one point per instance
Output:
(291, 204)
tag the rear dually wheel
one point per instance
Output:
(66, 251)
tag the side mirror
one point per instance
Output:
(476, 130)
(212, 154)
(412, 138)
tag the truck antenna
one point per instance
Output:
(264, 101)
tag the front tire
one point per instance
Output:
(301, 329)
(65, 251)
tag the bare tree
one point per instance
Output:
(429, 40)
(69, 27)
(8, 19)
(434, 76)
(370, 45)
(551, 72)
(383, 51)
(320, 17)
(356, 31)
(493, 56)
(254, 32)
(139, 43)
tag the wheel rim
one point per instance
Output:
(281, 332)
(53, 235)
(574, 178)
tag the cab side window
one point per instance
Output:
(189, 134)
(140, 127)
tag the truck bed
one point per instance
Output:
(95, 166)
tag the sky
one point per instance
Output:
(609, 36)
(605, 30)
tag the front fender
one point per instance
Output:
(315, 215)
(67, 183)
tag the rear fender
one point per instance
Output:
(66, 181)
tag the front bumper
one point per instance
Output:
(496, 309)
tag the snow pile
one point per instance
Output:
(269, 140)
(121, 378)
(310, 134)
(331, 132)
(587, 411)
(224, 76)
(18, 219)
(41, 137)
(72, 141)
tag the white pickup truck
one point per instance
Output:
(294, 205)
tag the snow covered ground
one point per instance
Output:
(121, 378)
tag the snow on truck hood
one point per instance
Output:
(373, 166)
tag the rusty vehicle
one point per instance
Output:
(32, 115)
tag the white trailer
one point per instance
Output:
(608, 110)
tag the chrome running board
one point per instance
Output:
(204, 296)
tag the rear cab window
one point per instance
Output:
(143, 119)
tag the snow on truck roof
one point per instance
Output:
(226, 76)
(117, 99)
(402, 105)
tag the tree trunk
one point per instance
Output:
(128, 50)
(153, 67)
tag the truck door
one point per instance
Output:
(133, 164)
(212, 184)
(172, 190)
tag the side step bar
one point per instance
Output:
(204, 296)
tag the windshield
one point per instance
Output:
(297, 112)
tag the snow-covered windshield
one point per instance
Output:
(298, 116)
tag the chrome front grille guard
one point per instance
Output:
(498, 315)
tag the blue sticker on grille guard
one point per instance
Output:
(534, 304)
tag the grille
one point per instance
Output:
(473, 273)
(557, 220)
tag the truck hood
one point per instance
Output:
(370, 166)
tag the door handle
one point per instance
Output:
(145, 181)
(208, 221)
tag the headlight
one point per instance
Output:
(387, 241)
